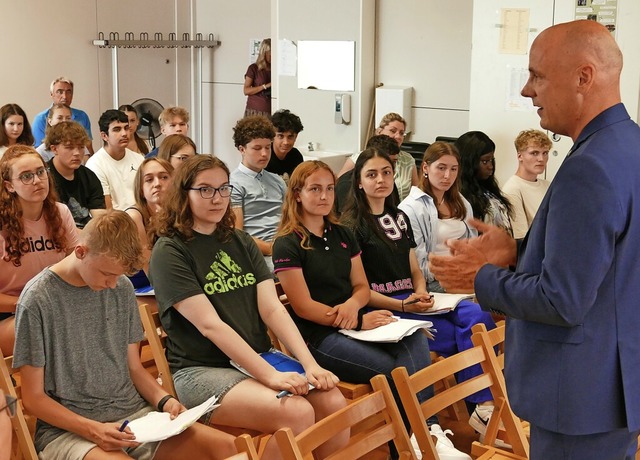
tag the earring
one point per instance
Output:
(426, 174)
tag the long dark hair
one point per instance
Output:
(26, 137)
(472, 146)
(142, 145)
(175, 218)
(357, 214)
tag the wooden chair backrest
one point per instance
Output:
(377, 416)
(155, 335)
(495, 338)
(491, 377)
(22, 438)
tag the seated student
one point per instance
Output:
(216, 299)
(284, 156)
(114, 164)
(388, 255)
(525, 190)
(78, 187)
(36, 231)
(14, 127)
(344, 185)
(77, 335)
(406, 175)
(257, 195)
(57, 113)
(176, 148)
(151, 184)
(173, 120)
(478, 181)
(319, 266)
(136, 143)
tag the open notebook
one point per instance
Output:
(392, 332)
(156, 426)
(444, 303)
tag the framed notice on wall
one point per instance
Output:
(603, 11)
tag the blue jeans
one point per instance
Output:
(357, 362)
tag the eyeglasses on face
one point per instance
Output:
(209, 192)
(28, 178)
(10, 405)
(181, 157)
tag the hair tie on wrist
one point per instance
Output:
(403, 305)
(164, 401)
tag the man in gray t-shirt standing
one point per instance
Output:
(77, 334)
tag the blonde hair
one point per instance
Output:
(534, 136)
(170, 113)
(291, 220)
(115, 235)
(265, 47)
(390, 118)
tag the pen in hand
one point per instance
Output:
(282, 394)
(416, 300)
(123, 426)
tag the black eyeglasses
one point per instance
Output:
(10, 405)
(28, 178)
(209, 192)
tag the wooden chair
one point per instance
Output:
(409, 386)
(22, 438)
(155, 335)
(492, 340)
(246, 448)
(377, 416)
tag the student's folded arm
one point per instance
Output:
(37, 402)
(202, 314)
(295, 286)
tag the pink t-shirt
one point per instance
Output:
(41, 252)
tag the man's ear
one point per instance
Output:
(586, 76)
(81, 251)
(104, 136)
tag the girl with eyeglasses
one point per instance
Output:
(176, 148)
(386, 237)
(216, 299)
(150, 187)
(14, 127)
(479, 184)
(35, 230)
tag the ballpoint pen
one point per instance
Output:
(282, 394)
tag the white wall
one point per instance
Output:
(426, 44)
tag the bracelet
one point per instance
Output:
(360, 316)
(163, 401)
(264, 87)
(403, 305)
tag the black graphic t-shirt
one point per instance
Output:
(228, 274)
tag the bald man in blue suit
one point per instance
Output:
(571, 288)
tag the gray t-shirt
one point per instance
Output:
(80, 337)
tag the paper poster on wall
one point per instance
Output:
(254, 49)
(287, 58)
(514, 102)
(514, 31)
(603, 11)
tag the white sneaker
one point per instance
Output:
(444, 446)
(479, 421)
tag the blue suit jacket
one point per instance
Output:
(573, 336)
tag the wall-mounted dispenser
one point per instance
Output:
(343, 109)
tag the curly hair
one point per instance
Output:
(176, 218)
(533, 136)
(283, 120)
(291, 220)
(26, 137)
(252, 127)
(66, 132)
(452, 196)
(472, 145)
(11, 223)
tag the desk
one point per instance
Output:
(335, 160)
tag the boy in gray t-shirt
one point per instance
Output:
(77, 334)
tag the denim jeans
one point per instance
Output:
(357, 362)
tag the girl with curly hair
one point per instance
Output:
(35, 230)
